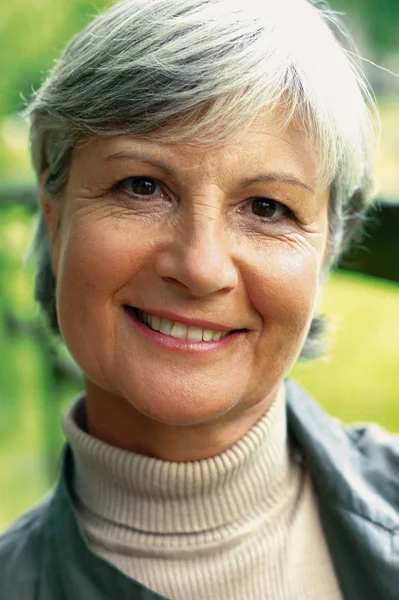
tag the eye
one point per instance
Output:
(268, 209)
(141, 186)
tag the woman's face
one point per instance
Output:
(229, 238)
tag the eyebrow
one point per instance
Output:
(269, 176)
(281, 177)
(142, 158)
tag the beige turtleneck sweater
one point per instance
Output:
(241, 525)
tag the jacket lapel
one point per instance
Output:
(71, 570)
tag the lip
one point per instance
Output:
(177, 344)
(203, 324)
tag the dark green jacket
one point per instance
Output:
(355, 470)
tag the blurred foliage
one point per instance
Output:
(386, 159)
(379, 19)
(31, 399)
(43, 27)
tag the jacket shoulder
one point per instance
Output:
(373, 437)
(21, 547)
(379, 449)
(369, 467)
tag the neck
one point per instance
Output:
(112, 419)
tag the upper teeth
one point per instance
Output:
(179, 330)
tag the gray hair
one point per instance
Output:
(151, 67)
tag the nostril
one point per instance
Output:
(176, 283)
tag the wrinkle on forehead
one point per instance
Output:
(264, 146)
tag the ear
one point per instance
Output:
(51, 214)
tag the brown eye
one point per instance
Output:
(143, 186)
(268, 209)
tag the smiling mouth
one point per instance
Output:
(178, 330)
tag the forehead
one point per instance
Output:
(265, 142)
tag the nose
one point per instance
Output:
(198, 256)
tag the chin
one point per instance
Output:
(181, 407)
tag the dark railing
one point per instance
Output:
(377, 251)
(25, 195)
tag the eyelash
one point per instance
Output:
(286, 212)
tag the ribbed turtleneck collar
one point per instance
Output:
(155, 496)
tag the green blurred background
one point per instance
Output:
(359, 381)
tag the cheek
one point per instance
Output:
(99, 253)
(283, 290)
(97, 258)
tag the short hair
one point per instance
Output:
(200, 70)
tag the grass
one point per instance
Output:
(359, 380)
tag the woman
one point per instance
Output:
(201, 165)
